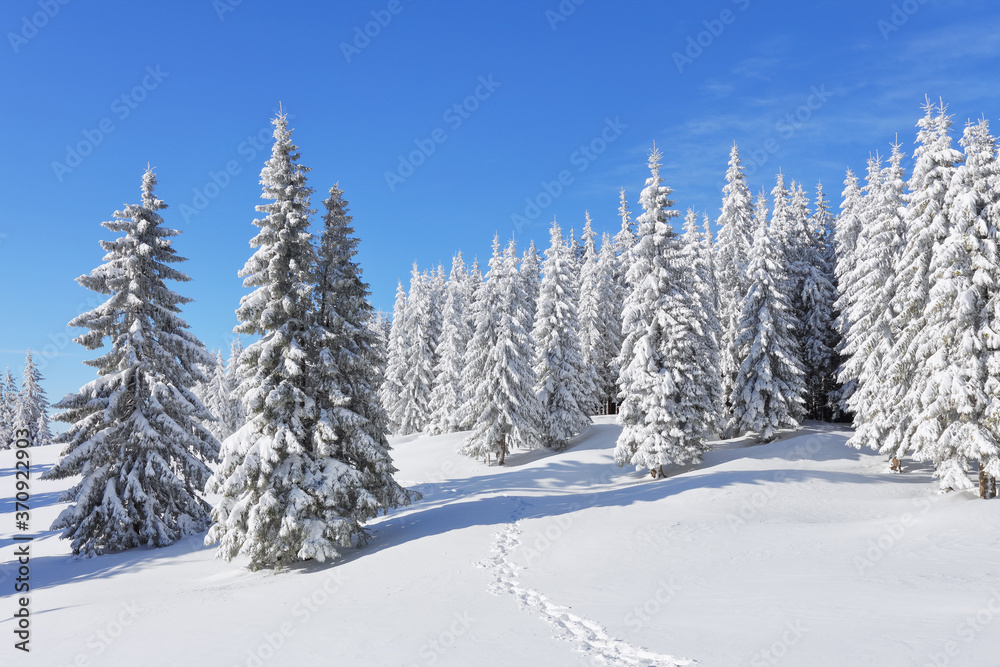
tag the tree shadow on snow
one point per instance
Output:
(51, 571)
(547, 490)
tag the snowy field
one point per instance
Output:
(798, 552)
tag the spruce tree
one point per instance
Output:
(276, 476)
(474, 290)
(449, 394)
(562, 379)
(593, 291)
(925, 219)
(870, 338)
(134, 435)
(503, 404)
(34, 405)
(848, 228)
(770, 384)
(419, 339)
(391, 391)
(818, 339)
(218, 399)
(234, 380)
(531, 273)
(608, 341)
(957, 348)
(624, 240)
(696, 256)
(665, 408)
(381, 325)
(7, 408)
(351, 480)
(732, 248)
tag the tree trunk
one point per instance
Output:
(894, 465)
(987, 485)
(503, 450)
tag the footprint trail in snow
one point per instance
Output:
(590, 637)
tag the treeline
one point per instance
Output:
(686, 337)
(883, 314)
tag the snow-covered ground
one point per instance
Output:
(799, 552)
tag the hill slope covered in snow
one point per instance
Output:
(799, 552)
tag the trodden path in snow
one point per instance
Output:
(590, 637)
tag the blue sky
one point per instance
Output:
(94, 92)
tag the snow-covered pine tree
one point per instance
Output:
(594, 291)
(818, 338)
(622, 244)
(381, 326)
(217, 392)
(870, 336)
(770, 383)
(391, 392)
(350, 480)
(420, 340)
(823, 226)
(8, 406)
(575, 248)
(135, 436)
(665, 406)
(449, 394)
(503, 402)
(958, 354)
(905, 373)
(696, 258)
(234, 379)
(480, 298)
(608, 343)
(799, 244)
(732, 248)
(270, 509)
(712, 274)
(624, 240)
(531, 275)
(561, 378)
(845, 241)
(33, 404)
